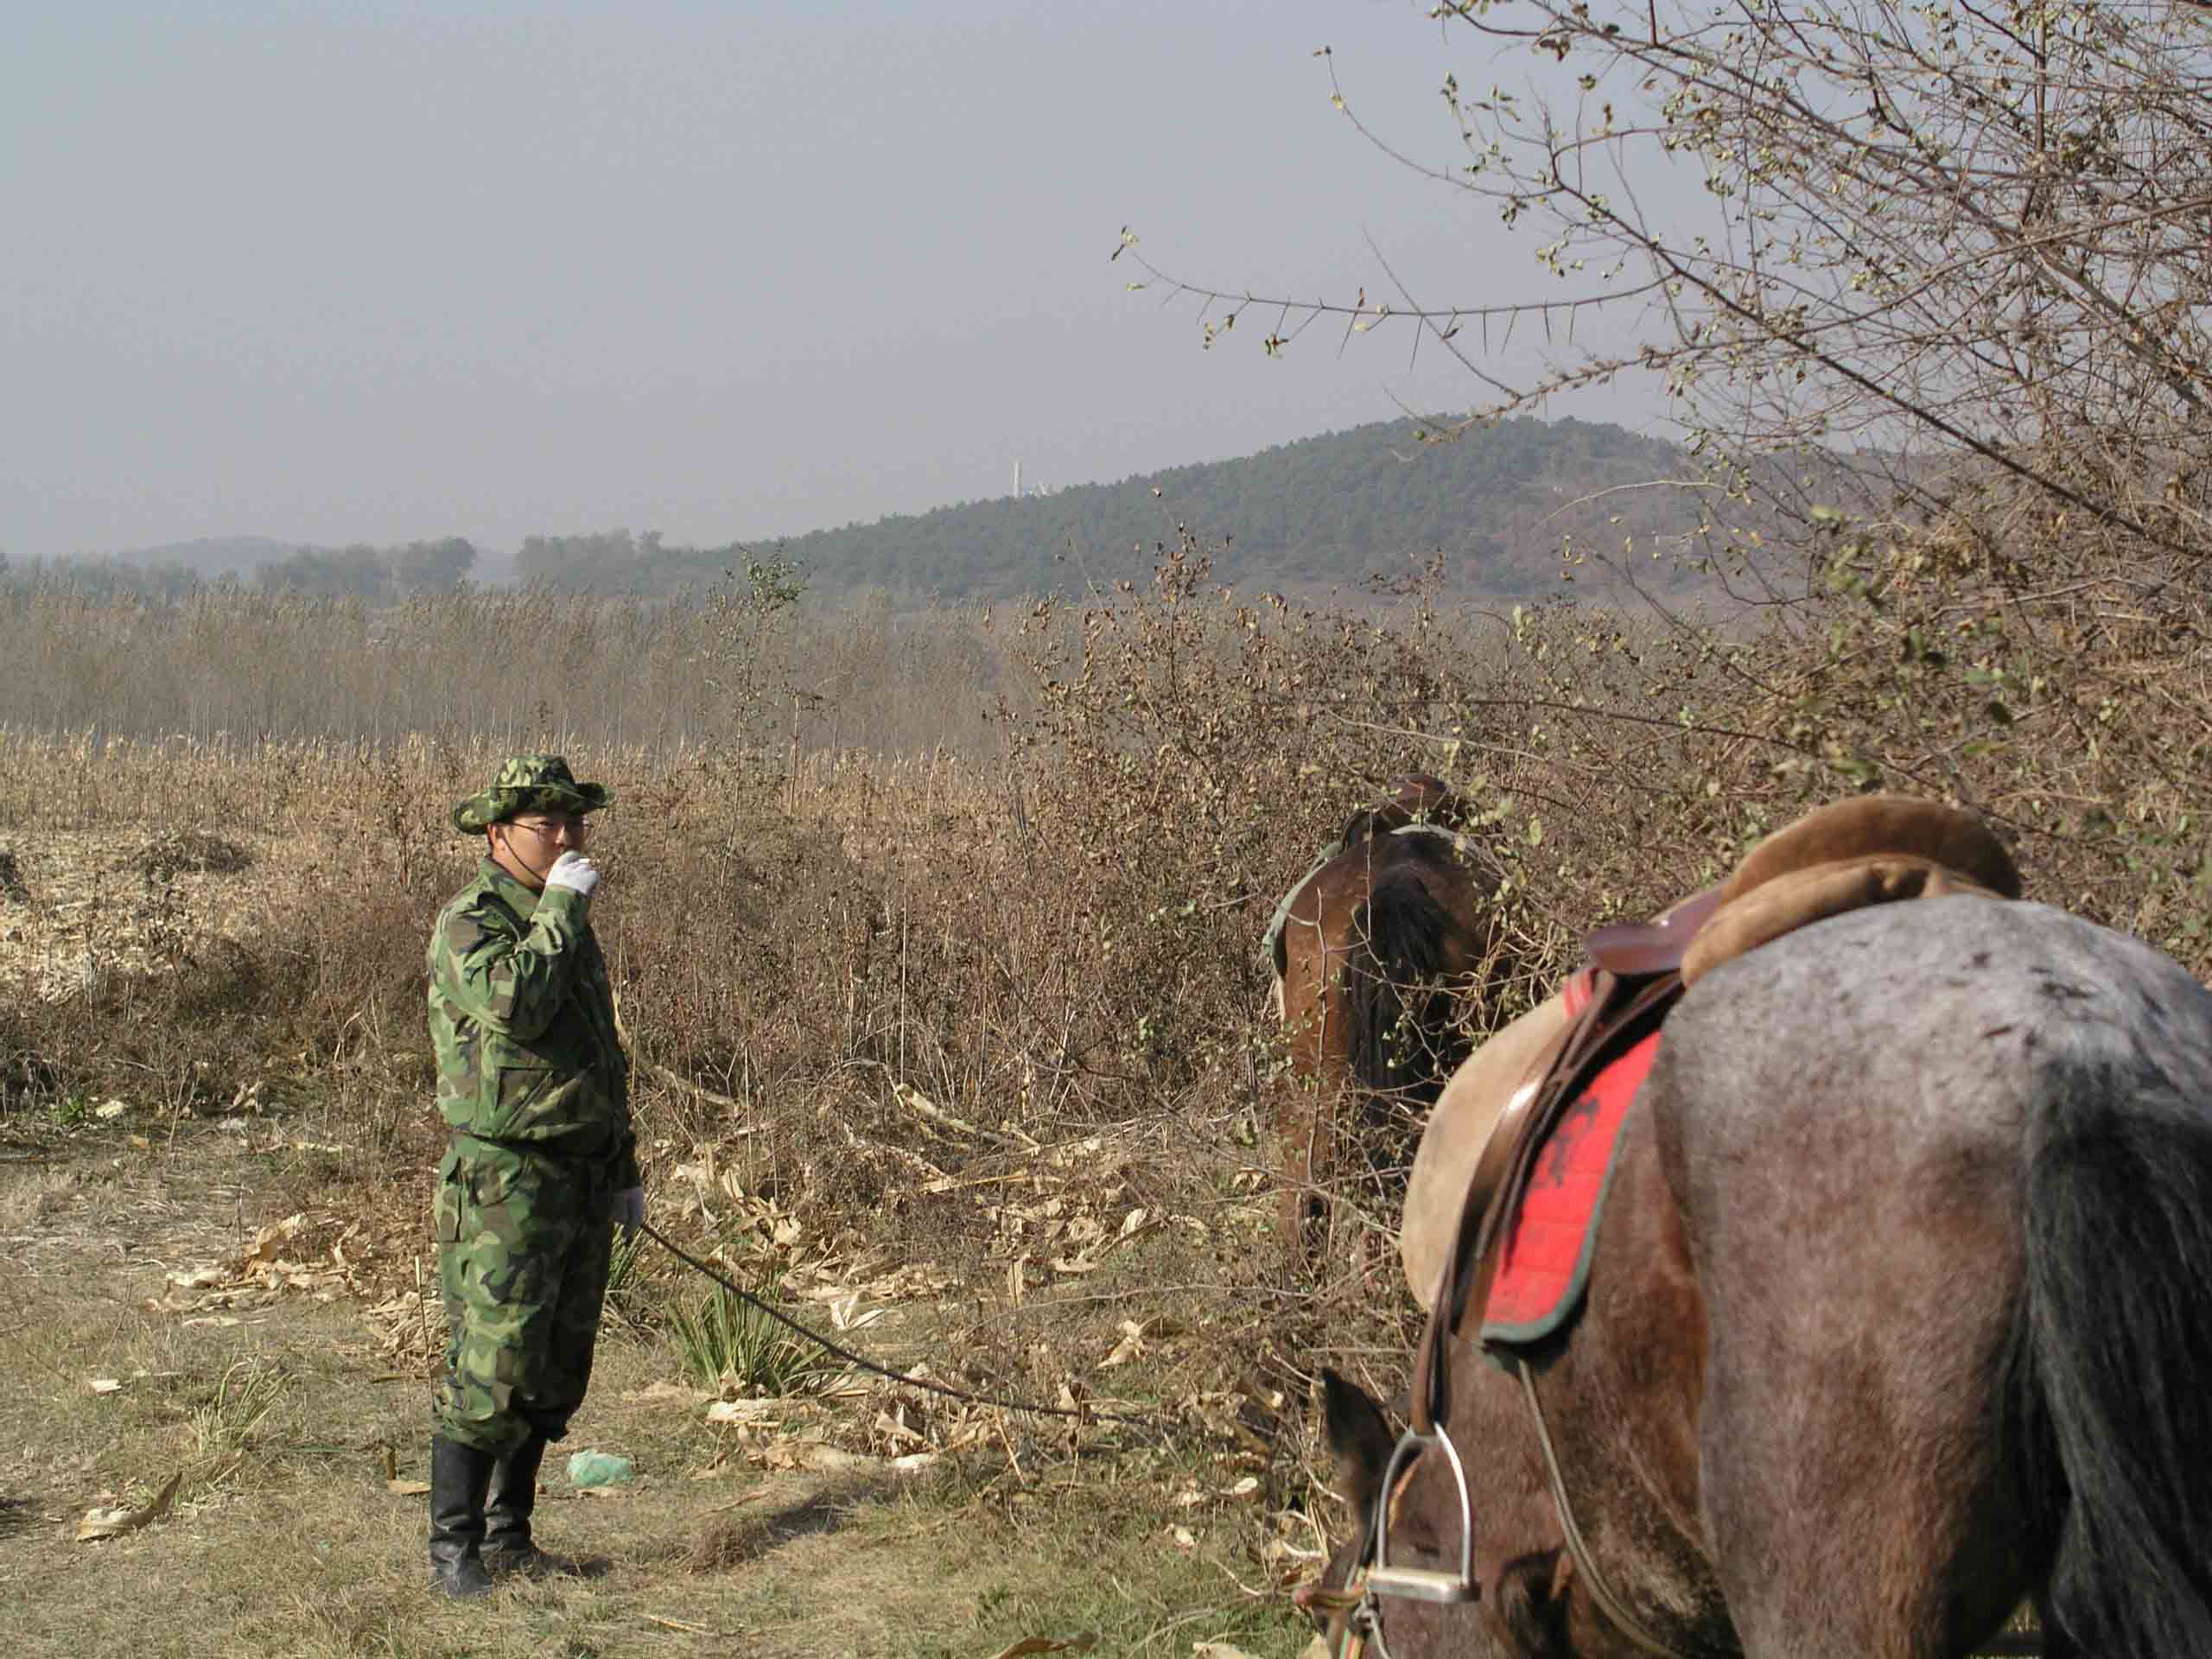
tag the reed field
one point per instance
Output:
(935, 936)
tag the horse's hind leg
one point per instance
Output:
(1852, 1478)
(1846, 1548)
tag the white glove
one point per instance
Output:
(630, 1210)
(575, 872)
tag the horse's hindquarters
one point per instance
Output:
(1845, 1118)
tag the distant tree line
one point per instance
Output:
(616, 562)
(375, 573)
(372, 575)
(165, 583)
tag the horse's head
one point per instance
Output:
(1522, 1609)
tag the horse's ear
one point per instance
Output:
(1357, 1433)
(1532, 1600)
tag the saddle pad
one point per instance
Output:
(1543, 1266)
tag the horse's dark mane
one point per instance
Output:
(1398, 1023)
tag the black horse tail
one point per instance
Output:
(1395, 1019)
(2115, 1399)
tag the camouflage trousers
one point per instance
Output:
(524, 1241)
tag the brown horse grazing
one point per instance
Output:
(1370, 953)
(1899, 1313)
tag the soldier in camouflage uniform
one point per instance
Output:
(534, 1083)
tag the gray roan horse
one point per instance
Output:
(1900, 1312)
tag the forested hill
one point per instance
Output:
(1321, 513)
(1324, 511)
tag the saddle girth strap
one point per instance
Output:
(1577, 1547)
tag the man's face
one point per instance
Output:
(526, 847)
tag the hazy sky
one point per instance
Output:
(728, 270)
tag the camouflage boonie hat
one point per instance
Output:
(529, 783)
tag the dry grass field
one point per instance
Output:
(213, 1222)
(961, 1049)
(892, 1068)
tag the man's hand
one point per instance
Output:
(630, 1211)
(575, 872)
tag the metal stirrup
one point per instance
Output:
(1424, 1583)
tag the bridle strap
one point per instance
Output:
(1356, 1600)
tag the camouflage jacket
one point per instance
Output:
(522, 1016)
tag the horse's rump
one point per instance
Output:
(1912, 1148)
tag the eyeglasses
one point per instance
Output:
(551, 829)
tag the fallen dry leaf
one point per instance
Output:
(664, 1390)
(408, 1488)
(1131, 1346)
(267, 1240)
(1282, 1549)
(745, 1411)
(104, 1385)
(113, 1523)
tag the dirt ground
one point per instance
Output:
(171, 1312)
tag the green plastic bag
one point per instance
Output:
(600, 1468)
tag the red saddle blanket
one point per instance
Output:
(1543, 1266)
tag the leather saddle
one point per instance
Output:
(1495, 1113)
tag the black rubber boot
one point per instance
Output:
(508, 1546)
(459, 1476)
